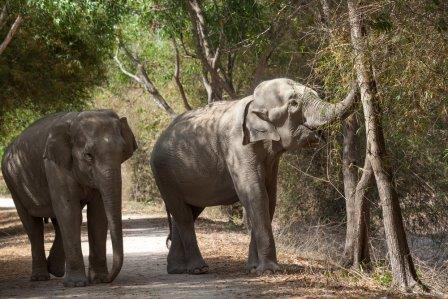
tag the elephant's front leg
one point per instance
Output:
(252, 261)
(271, 188)
(65, 195)
(69, 218)
(176, 256)
(97, 228)
(181, 260)
(252, 192)
(56, 259)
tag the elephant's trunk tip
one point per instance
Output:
(116, 267)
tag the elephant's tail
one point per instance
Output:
(168, 238)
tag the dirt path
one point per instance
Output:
(144, 270)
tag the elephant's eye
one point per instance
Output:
(293, 106)
(88, 157)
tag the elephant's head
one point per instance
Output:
(92, 146)
(288, 112)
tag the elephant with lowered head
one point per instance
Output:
(229, 151)
(53, 169)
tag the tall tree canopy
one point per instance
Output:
(155, 59)
(57, 55)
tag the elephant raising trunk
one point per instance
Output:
(235, 158)
(110, 188)
(318, 113)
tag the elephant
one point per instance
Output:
(54, 168)
(229, 151)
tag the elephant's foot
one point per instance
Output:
(56, 265)
(197, 267)
(198, 270)
(176, 269)
(40, 275)
(176, 259)
(252, 265)
(267, 267)
(75, 280)
(98, 276)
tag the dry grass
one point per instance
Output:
(325, 242)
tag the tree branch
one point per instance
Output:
(143, 78)
(3, 15)
(204, 52)
(184, 47)
(326, 16)
(123, 70)
(11, 33)
(275, 32)
(176, 76)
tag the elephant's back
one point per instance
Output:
(27, 149)
(35, 135)
(190, 153)
(206, 116)
(22, 163)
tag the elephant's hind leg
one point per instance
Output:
(56, 259)
(34, 228)
(177, 261)
(176, 255)
(183, 235)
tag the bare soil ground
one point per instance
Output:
(223, 246)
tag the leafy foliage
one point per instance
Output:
(62, 52)
(58, 55)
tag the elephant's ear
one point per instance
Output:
(58, 147)
(257, 126)
(129, 139)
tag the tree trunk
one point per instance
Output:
(350, 178)
(152, 90)
(261, 67)
(356, 249)
(142, 78)
(403, 271)
(12, 31)
(176, 77)
(360, 254)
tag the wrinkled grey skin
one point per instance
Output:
(229, 151)
(53, 169)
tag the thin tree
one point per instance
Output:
(12, 30)
(356, 249)
(176, 76)
(141, 77)
(402, 266)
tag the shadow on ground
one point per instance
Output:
(144, 269)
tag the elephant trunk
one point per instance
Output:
(319, 113)
(110, 189)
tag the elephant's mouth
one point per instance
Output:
(319, 133)
(302, 130)
(306, 126)
(307, 136)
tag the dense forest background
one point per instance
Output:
(143, 59)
